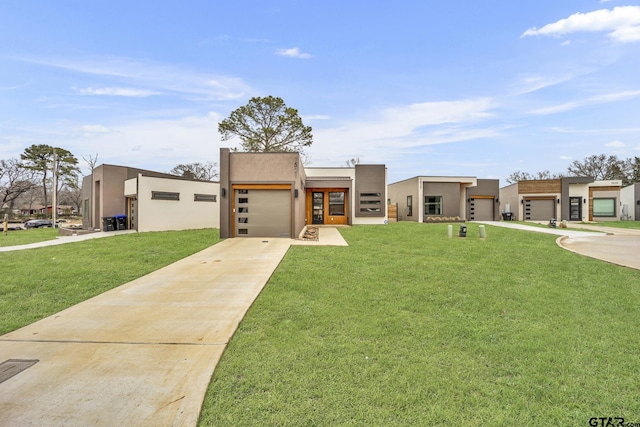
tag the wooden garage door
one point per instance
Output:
(539, 209)
(481, 209)
(262, 213)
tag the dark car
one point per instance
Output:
(37, 223)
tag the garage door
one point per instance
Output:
(262, 213)
(539, 209)
(481, 209)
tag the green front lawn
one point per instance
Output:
(24, 237)
(36, 283)
(408, 327)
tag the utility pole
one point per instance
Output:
(54, 195)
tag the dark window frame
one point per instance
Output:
(438, 203)
(205, 197)
(614, 202)
(165, 195)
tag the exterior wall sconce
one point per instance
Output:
(522, 201)
(558, 201)
(497, 200)
(468, 200)
(223, 192)
(295, 193)
(584, 200)
(638, 202)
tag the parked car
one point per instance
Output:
(37, 223)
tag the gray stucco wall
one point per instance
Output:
(450, 192)
(485, 187)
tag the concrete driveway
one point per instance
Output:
(616, 245)
(619, 246)
(141, 354)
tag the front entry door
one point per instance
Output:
(317, 208)
(575, 208)
(327, 206)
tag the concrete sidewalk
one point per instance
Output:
(141, 354)
(61, 240)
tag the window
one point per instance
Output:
(370, 204)
(604, 207)
(204, 197)
(409, 205)
(336, 203)
(243, 200)
(164, 195)
(433, 205)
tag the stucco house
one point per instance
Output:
(275, 195)
(429, 198)
(630, 200)
(151, 201)
(570, 199)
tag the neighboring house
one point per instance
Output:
(167, 203)
(274, 195)
(630, 199)
(151, 201)
(431, 198)
(570, 198)
(46, 210)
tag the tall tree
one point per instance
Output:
(518, 176)
(267, 125)
(598, 166)
(40, 159)
(198, 171)
(632, 170)
(15, 180)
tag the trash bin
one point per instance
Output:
(120, 222)
(507, 216)
(463, 231)
(552, 223)
(108, 223)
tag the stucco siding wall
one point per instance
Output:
(450, 192)
(264, 167)
(509, 201)
(184, 214)
(630, 197)
(398, 192)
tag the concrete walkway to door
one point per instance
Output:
(141, 354)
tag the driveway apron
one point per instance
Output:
(141, 354)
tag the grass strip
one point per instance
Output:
(36, 283)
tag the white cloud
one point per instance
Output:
(152, 77)
(622, 24)
(615, 144)
(600, 99)
(566, 157)
(391, 132)
(117, 91)
(91, 130)
(293, 53)
(528, 83)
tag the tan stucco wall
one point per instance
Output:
(509, 201)
(398, 192)
(185, 214)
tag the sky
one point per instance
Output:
(450, 88)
